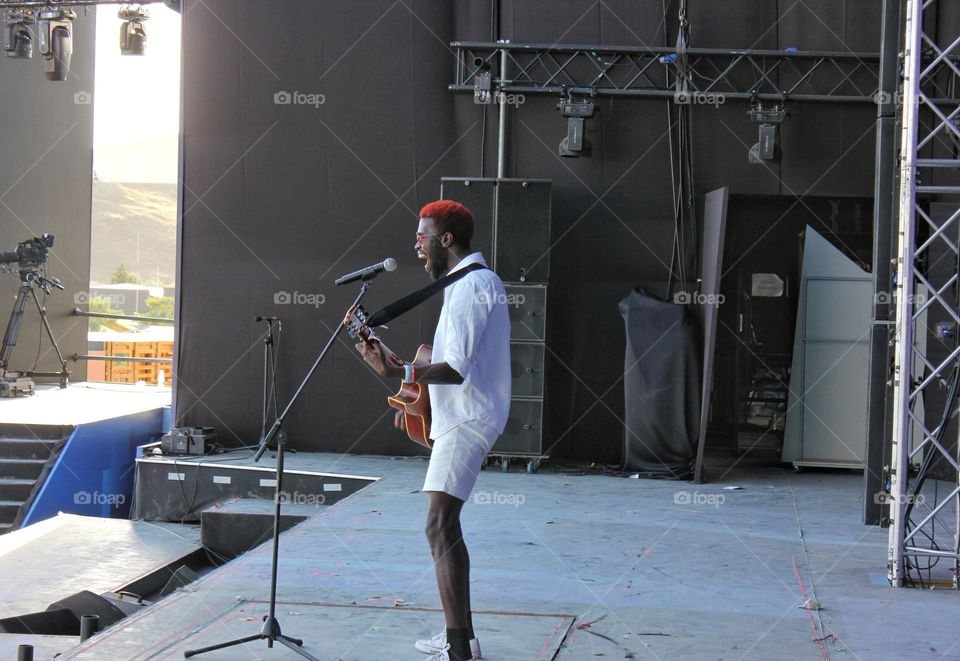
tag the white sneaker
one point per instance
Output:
(438, 645)
(442, 655)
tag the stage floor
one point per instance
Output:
(81, 403)
(614, 567)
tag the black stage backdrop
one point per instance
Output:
(46, 165)
(282, 198)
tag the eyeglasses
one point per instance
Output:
(422, 238)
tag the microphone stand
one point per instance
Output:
(270, 631)
(270, 347)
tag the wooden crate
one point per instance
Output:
(131, 372)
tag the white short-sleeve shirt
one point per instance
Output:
(473, 337)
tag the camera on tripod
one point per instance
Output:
(29, 254)
(30, 258)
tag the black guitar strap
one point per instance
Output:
(390, 312)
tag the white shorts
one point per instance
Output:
(456, 458)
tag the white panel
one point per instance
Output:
(826, 409)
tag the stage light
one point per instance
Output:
(577, 112)
(55, 28)
(133, 34)
(17, 37)
(482, 81)
(766, 150)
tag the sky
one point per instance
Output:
(136, 100)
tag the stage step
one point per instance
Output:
(9, 509)
(25, 453)
(12, 488)
(26, 448)
(232, 528)
(23, 468)
(179, 489)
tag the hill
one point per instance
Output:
(135, 225)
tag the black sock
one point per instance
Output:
(459, 645)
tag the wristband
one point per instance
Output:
(408, 373)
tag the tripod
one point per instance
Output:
(28, 279)
(270, 631)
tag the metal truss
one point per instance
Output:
(756, 75)
(921, 532)
(40, 4)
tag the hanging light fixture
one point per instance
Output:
(55, 28)
(17, 37)
(133, 34)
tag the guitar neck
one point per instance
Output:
(368, 337)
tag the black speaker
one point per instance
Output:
(522, 230)
(512, 231)
(512, 223)
(478, 196)
(523, 433)
(526, 367)
(527, 306)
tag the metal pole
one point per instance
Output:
(502, 129)
(903, 347)
(883, 220)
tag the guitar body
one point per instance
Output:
(413, 399)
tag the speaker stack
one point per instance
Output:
(513, 232)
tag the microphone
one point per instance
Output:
(369, 273)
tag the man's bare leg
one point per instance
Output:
(452, 565)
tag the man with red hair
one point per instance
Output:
(469, 382)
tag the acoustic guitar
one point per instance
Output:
(413, 399)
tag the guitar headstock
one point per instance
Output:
(356, 323)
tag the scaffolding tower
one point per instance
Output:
(924, 516)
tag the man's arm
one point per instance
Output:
(386, 363)
(468, 319)
(437, 373)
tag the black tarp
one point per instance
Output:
(282, 198)
(661, 387)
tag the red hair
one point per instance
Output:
(452, 217)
